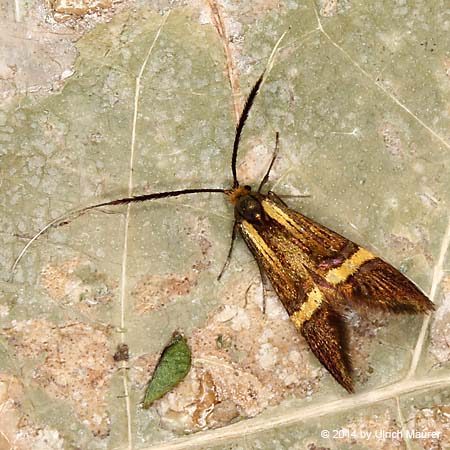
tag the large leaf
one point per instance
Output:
(359, 96)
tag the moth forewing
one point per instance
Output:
(315, 272)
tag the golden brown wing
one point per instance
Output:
(363, 279)
(308, 303)
(314, 271)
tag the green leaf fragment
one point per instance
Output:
(172, 367)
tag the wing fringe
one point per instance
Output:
(378, 285)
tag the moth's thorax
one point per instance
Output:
(247, 205)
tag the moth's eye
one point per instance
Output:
(250, 209)
(247, 187)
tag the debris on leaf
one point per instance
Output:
(122, 353)
(172, 367)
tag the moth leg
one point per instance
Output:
(246, 294)
(264, 282)
(230, 251)
(274, 157)
(264, 289)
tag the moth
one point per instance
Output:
(313, 270)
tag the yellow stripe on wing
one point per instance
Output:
(349, 266)
(313, 301)
(266, 252)
(277, 214)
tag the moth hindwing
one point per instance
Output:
(313, 270)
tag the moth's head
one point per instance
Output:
(246, 205)
(235, 194)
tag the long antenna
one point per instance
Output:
(71, 215)
(248, 105)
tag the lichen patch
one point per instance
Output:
(154, 292)
(329, 8)
(392, 140)
(78, 284)
(17, 431)
(435, 419)
(74, 363)
(373, 424)
(362, 331)
(210, 397)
